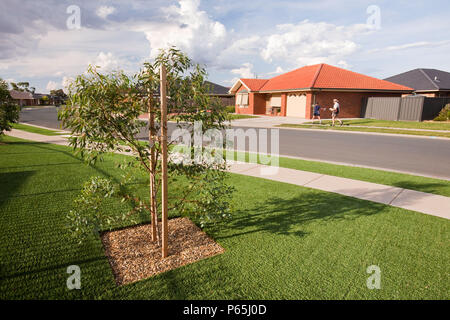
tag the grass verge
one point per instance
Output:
(401, 180)
(368, 129)
(284, 242)
(33, 129)
(240, 116)
(429, 125)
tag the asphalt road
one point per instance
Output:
(423, 156)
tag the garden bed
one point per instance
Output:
(133, 256)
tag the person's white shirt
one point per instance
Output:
(336, 106)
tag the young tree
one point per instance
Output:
(103, 113)
(9, 110)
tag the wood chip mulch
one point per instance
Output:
(133, 256)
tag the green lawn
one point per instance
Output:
(435, 125)
(33, 129)
(368, 129)
(240, 116)
(284, 242)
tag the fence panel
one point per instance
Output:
(432, 107)
(411, 108)
(383, 108)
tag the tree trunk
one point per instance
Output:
(151, 136)
(164, 231)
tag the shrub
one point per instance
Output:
(230, 109)
(444, 115)
(9, 110)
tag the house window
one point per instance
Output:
(242, 100)
(238, 99)
(275, 101)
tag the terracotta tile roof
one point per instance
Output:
(296, 79)
(334, 77)
(326, 77)
(254, 84)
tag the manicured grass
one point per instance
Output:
(369, 129)
(284, 242)
(39, 106)
(401, 180)
(33, 129)
(240, 116)
(429, 125)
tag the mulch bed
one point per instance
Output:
(133, 256)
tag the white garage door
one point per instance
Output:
(296, 105)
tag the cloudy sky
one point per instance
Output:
(46, 42)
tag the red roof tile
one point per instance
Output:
(254, 84)
(334, 77)
(296, 79)
(322, 76)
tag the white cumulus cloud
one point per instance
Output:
(277, 71)
(52, 85)
(188, 28)
(105, 11)
(245, 71)
(106, 61)
(308, 43)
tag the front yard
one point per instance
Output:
(284, 242)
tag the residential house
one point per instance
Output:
(23, 98)
(221, 92)
(432, 83)
(293, 93)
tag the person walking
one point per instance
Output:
(316, 113)
(335, 112)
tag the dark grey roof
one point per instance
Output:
(20, 95)
(217, 88)
(423, 79)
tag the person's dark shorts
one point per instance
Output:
(316, 114)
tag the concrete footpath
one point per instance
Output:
(427, 203)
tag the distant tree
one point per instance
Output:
(9, 110)
(58, 93)
(45, 100)
(444, 115)
(22, 86)
(61, 97)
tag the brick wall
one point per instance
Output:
(258, 101)
(239, 110)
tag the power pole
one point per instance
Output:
(164, 155)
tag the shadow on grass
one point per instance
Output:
(51, 268)
(432, 187)
(10, 182)
(283, 216)
(42, 165)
